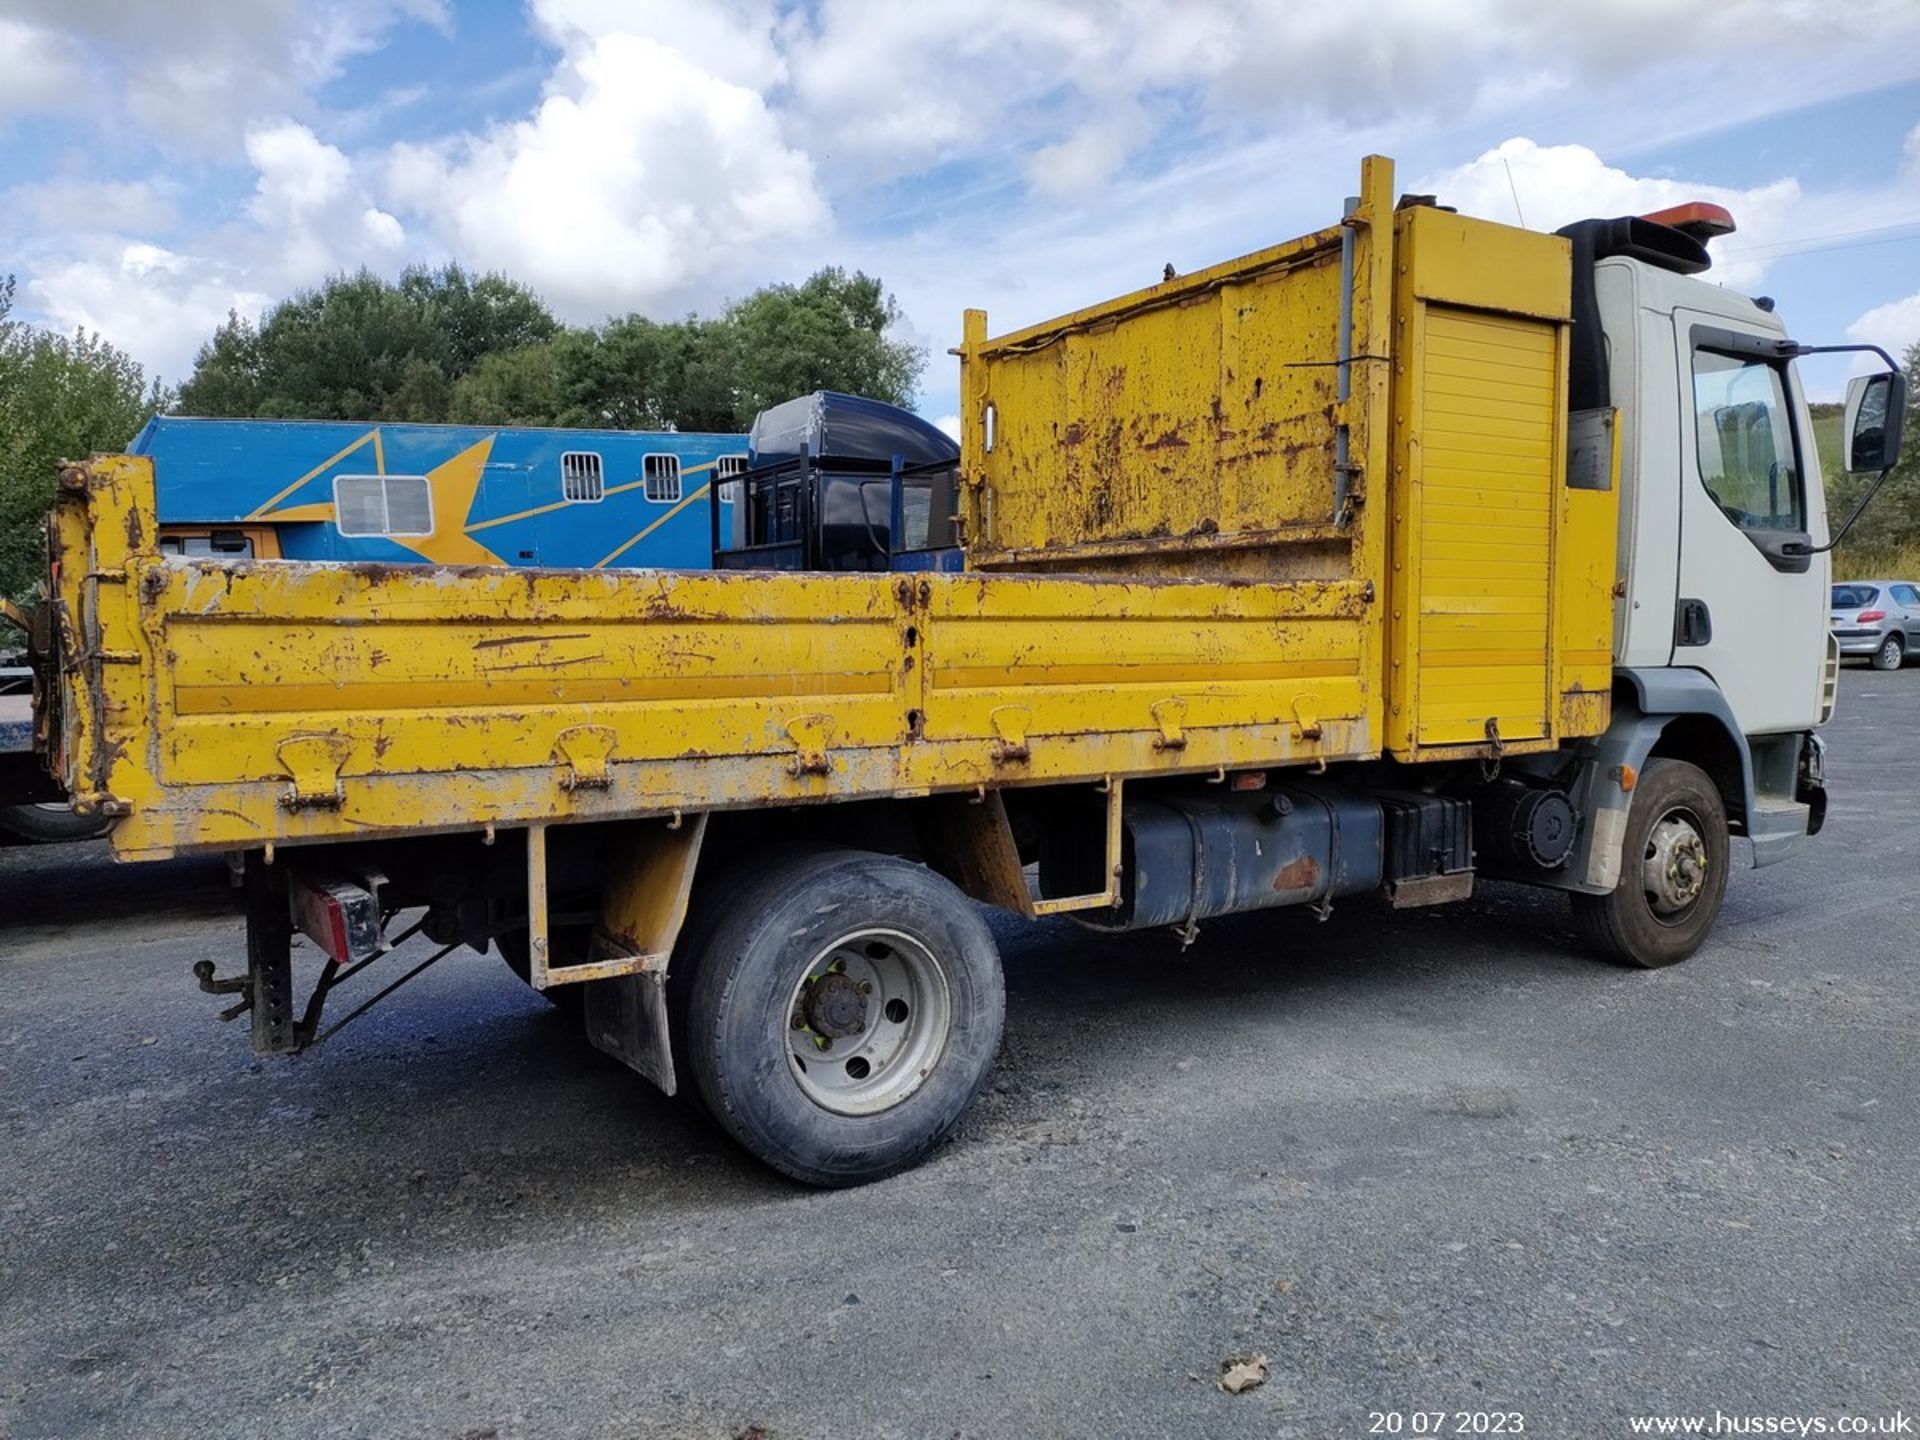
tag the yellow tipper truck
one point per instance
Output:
(1415, 549)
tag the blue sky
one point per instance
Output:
(160, 165)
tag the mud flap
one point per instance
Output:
(627, 1019)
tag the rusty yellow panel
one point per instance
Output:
(1061, 656)
(413, 665)
(1187, 419)
(1457, 260)
(246, 703)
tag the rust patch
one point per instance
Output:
(523, 640)
(1169, 440)
(1075, 434)
(135, 531)
(662, 607)
(1301, 874)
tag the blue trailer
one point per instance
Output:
(445, 494)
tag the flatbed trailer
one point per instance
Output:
(1302, 576)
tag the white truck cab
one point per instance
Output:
(1721, 653)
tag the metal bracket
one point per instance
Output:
(1306, 714)
(642, 907)
(1168, 715)
(1010, 726)
(584, 750)
(313, 765)
(812, 735)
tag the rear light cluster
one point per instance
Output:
(1867, 617)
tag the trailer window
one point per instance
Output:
(662, 476)
(725, 469)
(582, 481)
(1748, 460)
(383, 505)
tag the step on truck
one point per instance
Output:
(1416, 550)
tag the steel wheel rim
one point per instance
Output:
(1677, 867)
(867, 1021)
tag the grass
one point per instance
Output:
(1854, 560)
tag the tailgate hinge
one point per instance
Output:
(1010, 726)
(313, 765)
(813, 737)
(1306, 714)
(584, 750)
(1169, 715)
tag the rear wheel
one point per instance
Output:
(1673, 867)
(842, 1014)
(1891, 653)
(51, 822)
(569, 944)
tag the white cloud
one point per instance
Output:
(640, 174)
(153, 303)
(66, 205)
(1087, 158)
(192, 73)
(1008, 72)
(948, 425)
(1553, 185)
(1893, 327)
(298, 175)
(41, 68)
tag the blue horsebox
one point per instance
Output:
(444, 494)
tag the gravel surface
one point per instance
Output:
(1427, 1161)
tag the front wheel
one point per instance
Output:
(1673, 871)
(1890, 654)
(842, 1014)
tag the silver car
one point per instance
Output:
(1877, 618)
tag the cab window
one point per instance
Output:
(1748, 460)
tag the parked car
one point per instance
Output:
(1879, 619)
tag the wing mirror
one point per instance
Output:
(1876, 410)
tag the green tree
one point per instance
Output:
(440, 345)
(510, 387)
(828, 333)
(1888, 534)
(363, 348)
(641, 374)
(62, 397)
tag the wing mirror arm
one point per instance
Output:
(1796, 547)
(1892, 414)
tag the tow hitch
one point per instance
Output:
(343, 916)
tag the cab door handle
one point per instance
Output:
(1692, 623)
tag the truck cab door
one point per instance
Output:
(1752, 605)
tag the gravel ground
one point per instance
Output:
(1429, 1161)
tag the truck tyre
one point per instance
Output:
(51, 823)
(1891, 654)
(844, 1012)
(1674, 862)
(571, 941)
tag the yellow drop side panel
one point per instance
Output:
(215, 705)
(1485, 553)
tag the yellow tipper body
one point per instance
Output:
(1187, 553)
